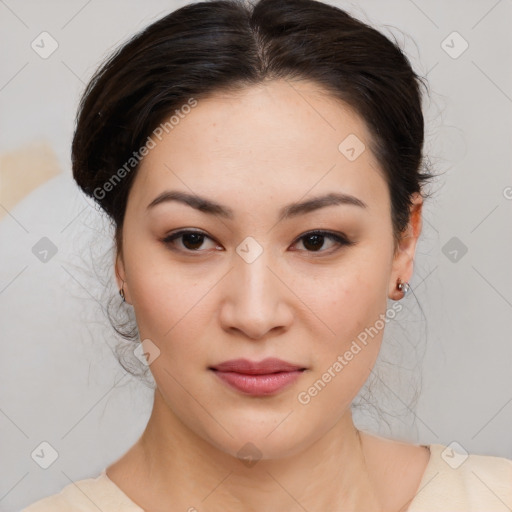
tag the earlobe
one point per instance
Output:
(120, 277)
(119, 270)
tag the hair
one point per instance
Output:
(222, 46)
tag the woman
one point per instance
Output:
(263, 169)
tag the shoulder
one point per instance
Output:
(55, 503)
(462, 481)
(91, 494)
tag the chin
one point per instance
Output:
(253, 442)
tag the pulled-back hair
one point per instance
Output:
(224, 45)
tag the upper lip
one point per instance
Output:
(268, 365)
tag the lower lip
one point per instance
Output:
(259, 385)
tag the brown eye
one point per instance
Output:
(191, 241)
(314, 240)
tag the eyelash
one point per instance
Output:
(340, 239)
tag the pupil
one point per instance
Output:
(318, 241)
(191, 239)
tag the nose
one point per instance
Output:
(256, 300)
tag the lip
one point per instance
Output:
(262, 378)
(268, 365)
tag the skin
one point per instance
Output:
(256, 151)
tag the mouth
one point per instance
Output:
(263, 378)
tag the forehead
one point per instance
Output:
(281, 139)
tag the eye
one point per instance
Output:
(191, 240)
(314, 240)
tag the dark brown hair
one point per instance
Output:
(226, 45)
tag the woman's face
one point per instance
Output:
(254, 284)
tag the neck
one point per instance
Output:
(177, 466)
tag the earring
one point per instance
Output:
(121, 292)
(403, 287)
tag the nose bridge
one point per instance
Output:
(255, 302)
(256, 277)
(257, 283)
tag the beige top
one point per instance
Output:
(450, 483)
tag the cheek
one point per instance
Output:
(347, 298)
(161, 294)
(355, 316)
(171, 311)
(357, 301)
(352, 319)
(170, 317)
(344, 360)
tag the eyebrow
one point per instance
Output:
(292, 210)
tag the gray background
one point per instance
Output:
(59, 381)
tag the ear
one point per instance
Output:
(121, 277)
(403, 260)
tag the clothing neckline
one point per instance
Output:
(124, 498)
(430, 471)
